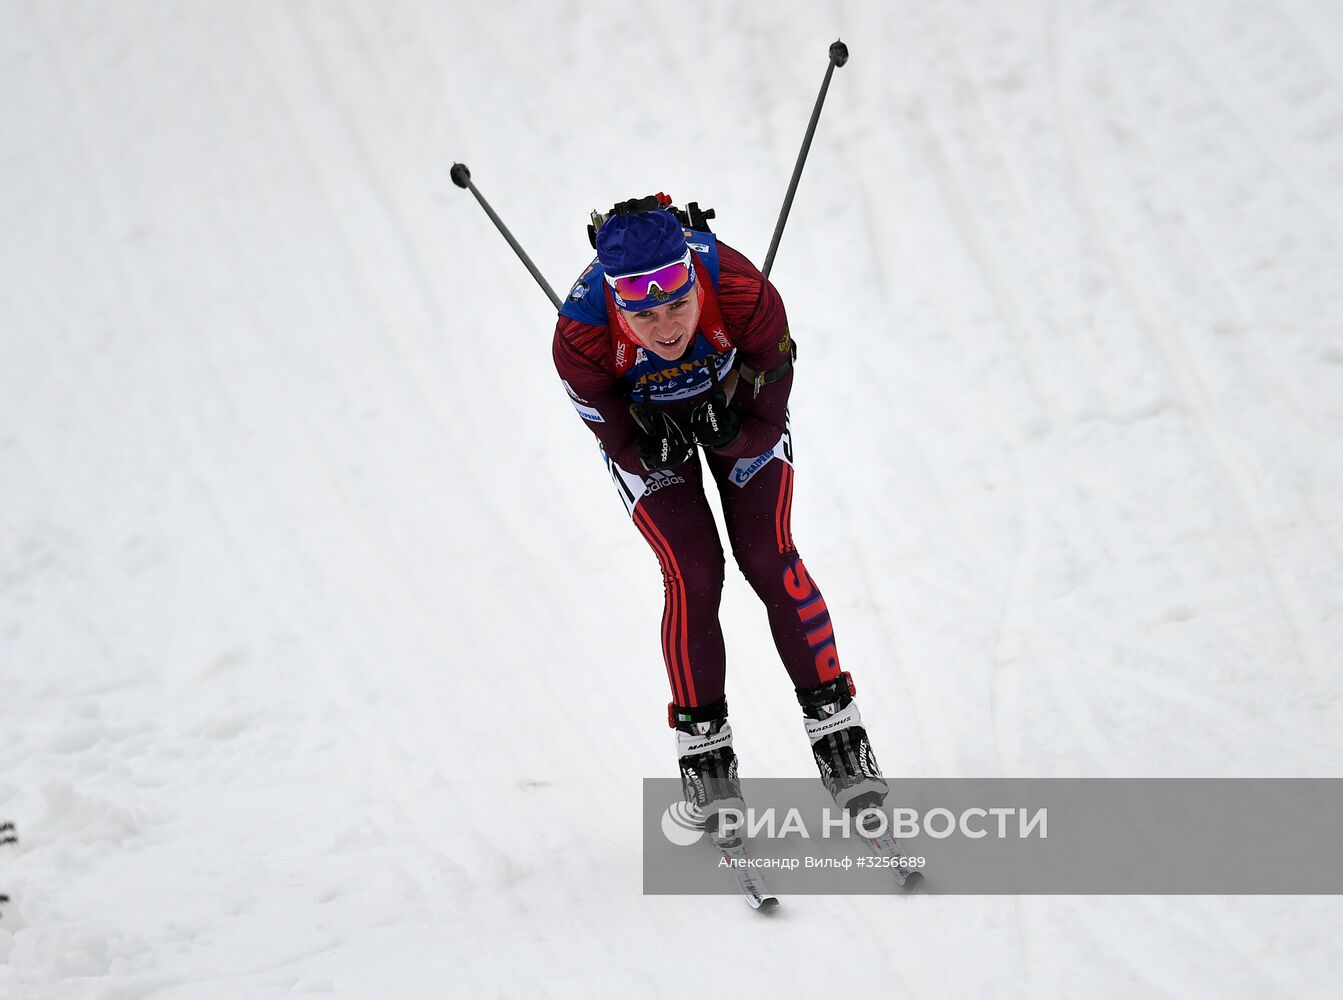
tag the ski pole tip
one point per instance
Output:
(839, 53)
(460, 175)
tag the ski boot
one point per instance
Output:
(840, 745)
(707, 761)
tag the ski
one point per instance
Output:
(886, 847)
(750, 881)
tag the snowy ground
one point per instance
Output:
(311, 582)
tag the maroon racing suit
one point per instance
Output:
(743, 331)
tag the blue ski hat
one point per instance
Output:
(632, 244)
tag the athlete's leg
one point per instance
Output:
(757, 496)
(757, 508)
(671, 512)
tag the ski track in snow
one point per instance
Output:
(311, 584)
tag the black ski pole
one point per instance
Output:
(839, 55)
(462, 178)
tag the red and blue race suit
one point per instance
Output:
(742, 326)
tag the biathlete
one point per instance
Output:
(671, 343)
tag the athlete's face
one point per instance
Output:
(666, 330)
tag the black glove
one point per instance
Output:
(713, 423)
(663, 443)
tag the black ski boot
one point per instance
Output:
(707, 761)
(840, 745)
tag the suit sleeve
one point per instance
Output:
(754, 313)
(762, 417)
(592, 390)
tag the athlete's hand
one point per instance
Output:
(663, 443)
(713, 423)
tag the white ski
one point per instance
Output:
(887, 847)
(749, 880)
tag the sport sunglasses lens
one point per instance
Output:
(660, 285)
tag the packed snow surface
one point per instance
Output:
(329, 661)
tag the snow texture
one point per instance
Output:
(329, 660)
